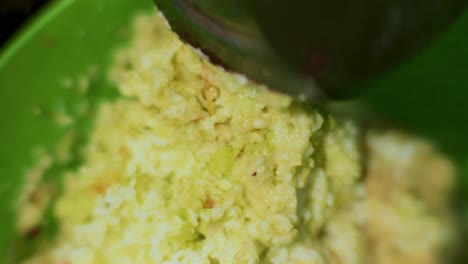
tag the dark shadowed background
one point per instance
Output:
(13, 13)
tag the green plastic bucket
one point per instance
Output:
(71, 35)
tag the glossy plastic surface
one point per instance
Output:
(72, 35)
(61, 43)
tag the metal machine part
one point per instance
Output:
(307, 48)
